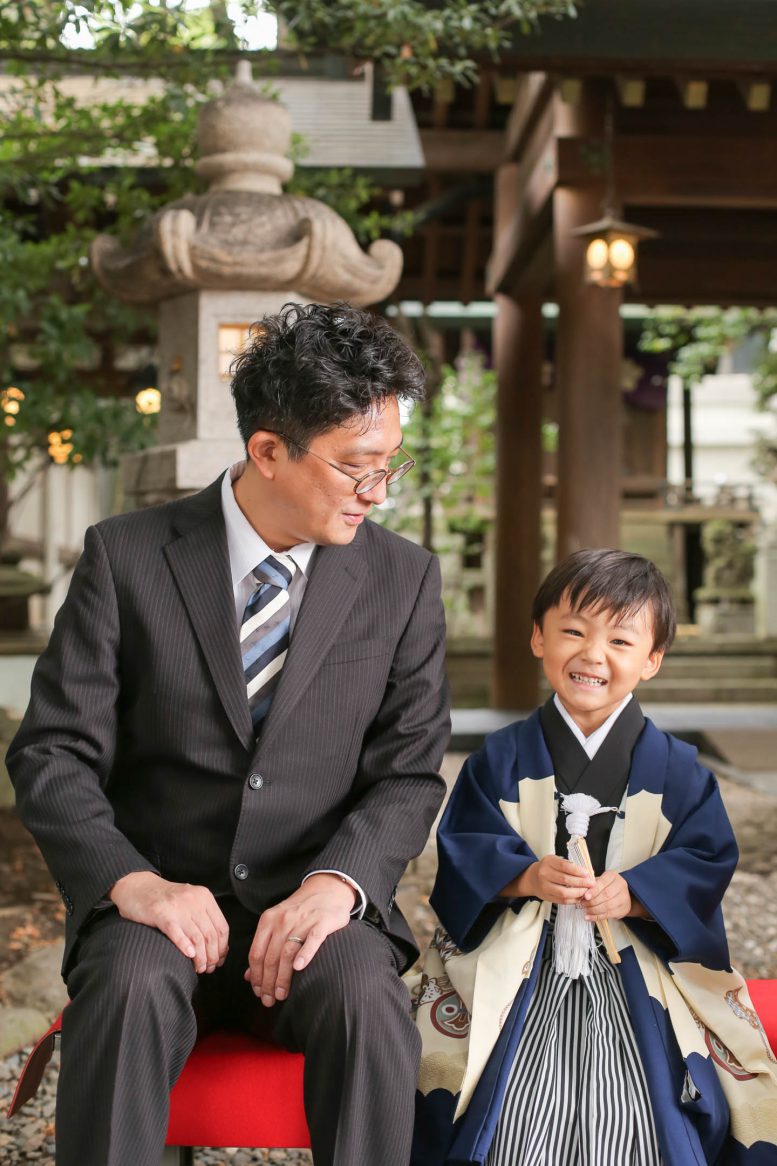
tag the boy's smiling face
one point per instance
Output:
(594, 658)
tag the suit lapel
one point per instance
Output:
(335, 582)
(199, 561)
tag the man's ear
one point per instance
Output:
(537, 642)
(263, 448)
(652, 664)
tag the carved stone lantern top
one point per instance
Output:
(244, 138)
(245, 233)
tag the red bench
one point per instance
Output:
(238, 1091)
(234, 1090)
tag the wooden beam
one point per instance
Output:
(518, 346)
(588, 369)
(705, 279)
(516, 246)
(530, 222)
(693, 93)
(521, 264)
(631, 91)
(726, 117)
(534, 92)
(686, 229)
(531, 272)
(462, 151)
(677, 171)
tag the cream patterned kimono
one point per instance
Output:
(711, 1075)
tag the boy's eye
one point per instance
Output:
(621, 643)
(572, 632)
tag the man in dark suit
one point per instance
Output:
(231, 753)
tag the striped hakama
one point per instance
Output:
(576, 1094)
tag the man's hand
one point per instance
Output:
(322, 904)
(608, 898)
(552, 879)
(189, 916)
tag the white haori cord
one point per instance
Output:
(574, 945)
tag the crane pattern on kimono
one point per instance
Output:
(719, 1052)
(751, 1016)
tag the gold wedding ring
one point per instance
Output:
(294, 939)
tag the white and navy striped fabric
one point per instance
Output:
(577, 1094)
(264, 632)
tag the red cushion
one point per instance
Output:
(763, 993)
(238, 1091)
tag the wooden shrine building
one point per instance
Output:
(667, 111)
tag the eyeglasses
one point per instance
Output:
(368, 481)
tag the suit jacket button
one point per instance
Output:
(241, 871)
(256, 781)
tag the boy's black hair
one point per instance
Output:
(614, 581)
(311, 367)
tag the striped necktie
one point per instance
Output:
(264, 632)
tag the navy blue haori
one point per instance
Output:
(711, 1078)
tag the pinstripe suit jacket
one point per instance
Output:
(137, 749)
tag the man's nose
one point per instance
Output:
(376, 494)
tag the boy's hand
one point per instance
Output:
(552, 879)
(608, 898)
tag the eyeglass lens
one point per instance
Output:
(371, 480)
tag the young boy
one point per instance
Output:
(657, 1059)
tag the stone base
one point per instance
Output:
(725, 617)
(172, 471)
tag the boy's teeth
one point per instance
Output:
(594, 681)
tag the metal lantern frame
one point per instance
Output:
(611, 250)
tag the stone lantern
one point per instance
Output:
(217, 262)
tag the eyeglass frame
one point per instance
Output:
(387, 476)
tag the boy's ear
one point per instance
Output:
(537, 642)
(652, 664)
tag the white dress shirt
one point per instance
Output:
(594, 741)
(247, 549)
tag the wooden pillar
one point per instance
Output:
(518, 357)
(589, 357)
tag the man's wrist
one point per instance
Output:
(330, 880)
(128, 879)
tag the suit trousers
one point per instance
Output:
(136, 1008)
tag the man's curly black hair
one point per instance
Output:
(312, 367)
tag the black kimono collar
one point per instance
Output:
(605, 776)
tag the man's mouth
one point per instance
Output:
(591, 681)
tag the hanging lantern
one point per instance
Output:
(611, 253)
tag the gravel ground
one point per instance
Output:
(750, 909)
